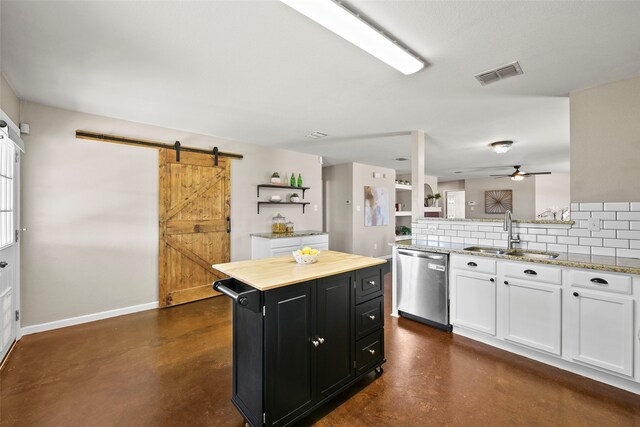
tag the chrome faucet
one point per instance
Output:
(508, 227)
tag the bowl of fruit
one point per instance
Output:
(306, 255)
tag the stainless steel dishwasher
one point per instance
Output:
(423, 287)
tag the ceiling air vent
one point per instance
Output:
(499, 73)
(316, 135)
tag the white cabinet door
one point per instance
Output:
(601, 327)
(473, 301)
(532, 314)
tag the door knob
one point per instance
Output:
(372, 282)
(3, 264)
(372, 317)
(372, 351)
(315, 343)
(321, 340)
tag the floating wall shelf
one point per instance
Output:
(282, 187)
(303, 204)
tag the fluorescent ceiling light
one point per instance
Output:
(336, 17)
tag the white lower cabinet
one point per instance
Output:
(601, 330)
(585, 321)
(264, 247)
(532, 314)
(473, 301)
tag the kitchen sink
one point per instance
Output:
(532, 255)
(487, 250)
(513, 252)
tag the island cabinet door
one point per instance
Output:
(334, 363)
(290, 355)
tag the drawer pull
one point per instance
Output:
(506, 283)
(575, 294)
(472, 264)
(372, 317)
(492, 280)
(599, 281)
(371, 282)
(372, 351)
(531, 272)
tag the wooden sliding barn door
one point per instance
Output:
(194, 224)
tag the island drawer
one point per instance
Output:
(601, 281)
(369, 317)
(369, 283)
(474, 263)
(369, 351)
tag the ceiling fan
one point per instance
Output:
(518, 175)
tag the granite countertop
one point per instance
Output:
(527, 221)
(285, 235)
(592, 262)
(270, 273)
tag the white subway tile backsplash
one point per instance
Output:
(471, 228)
(590, 241)
(546, 239)
(616, 243)
(557, 248)
(485, 242)
(579, 232)
(558, 232)
(616, 206)
(590, 206)
(499, 243)
(628, 253)
(635, 206)
(470, 241)
(568, 240)
(478, 235)
(485, 228)
(634, 244)
(536, 246)
(603, 251)
(575, 216)
(604, 215)
(457, 240)
(634, 225)
(622, 234)
(444, 239)
(575, 207)
(444, 226)
(464, 234)
(609, 234)
(529, 237)
(537, 231)
(615, 225)
(493, 236)
(630, 216)
(451, 233)
(457, 227)
(432, 237)
(586, 250)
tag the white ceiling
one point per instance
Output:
(257, 71)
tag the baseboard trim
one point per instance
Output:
(63, 323)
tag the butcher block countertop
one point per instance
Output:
(270, 273)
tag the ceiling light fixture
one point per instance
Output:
(501, 146)
(517, 177)
(351, 26)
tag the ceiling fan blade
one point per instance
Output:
(500, 176)
(537, 173)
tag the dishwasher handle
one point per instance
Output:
(420, 254)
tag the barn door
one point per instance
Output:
(194, 224)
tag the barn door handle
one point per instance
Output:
(228, 224)
(3, 264)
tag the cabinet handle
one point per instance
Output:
(575, 294)
(492, 280)
(321, 340)
(372, 351)
(472, 264)
(530, 272)
(599, 281)
(372, 317)
(3, 264)
(506, 283)
(315, 343)
(371, 282)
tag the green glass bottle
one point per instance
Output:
(299, 180)
(292, 183)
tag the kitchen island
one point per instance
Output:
(302, 333)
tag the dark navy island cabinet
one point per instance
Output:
(297, 346)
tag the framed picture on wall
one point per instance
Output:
(376, 206)
(498, 201)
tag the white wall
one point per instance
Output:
(552, 191)
(91, 209)
(338, 188)
(605, 142)
(9, 102)
(449, 186)
(524, 206)
(372, 241)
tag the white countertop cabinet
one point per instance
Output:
(580, 320)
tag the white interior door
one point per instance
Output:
(9, 247)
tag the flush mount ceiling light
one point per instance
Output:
(316, 135)
(501, 146)
(335, 16)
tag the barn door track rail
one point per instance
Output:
(216, 153)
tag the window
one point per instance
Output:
(7, 162)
